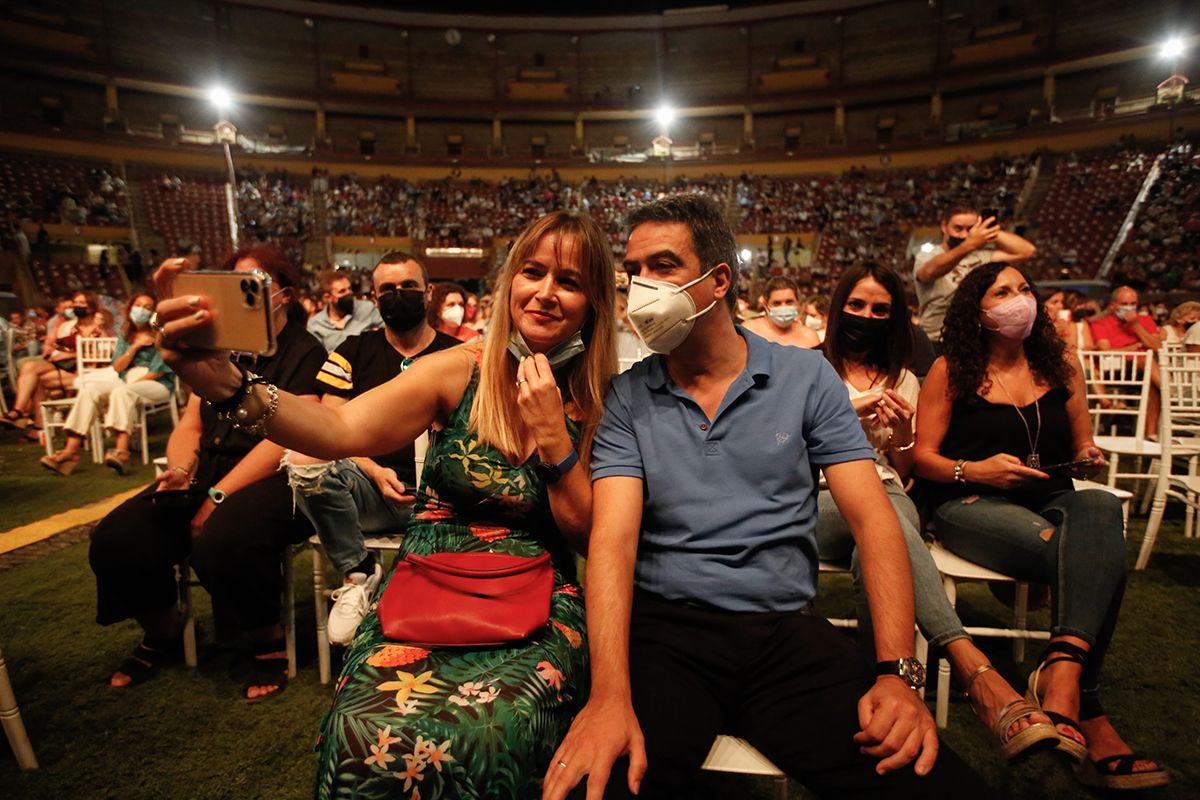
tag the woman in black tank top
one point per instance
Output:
(997, 416)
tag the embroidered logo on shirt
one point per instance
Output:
(782, 438)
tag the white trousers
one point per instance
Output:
(97, 385)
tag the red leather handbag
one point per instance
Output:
(466, 599)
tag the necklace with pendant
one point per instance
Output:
(1033, 460)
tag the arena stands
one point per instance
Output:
(50, 190)
(188, 212)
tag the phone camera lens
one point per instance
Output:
(254, 286)
(245, 285)
(251, 299)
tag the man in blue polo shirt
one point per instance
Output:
(703, 564)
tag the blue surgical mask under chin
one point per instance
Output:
(558, 355)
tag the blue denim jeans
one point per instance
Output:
(344, 505)
(1073, 543)
(935, 616)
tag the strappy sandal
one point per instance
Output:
(1055, 652)
(16, 419)
(147, 660)
(1115, 772)
(267, 671)
(117, 460)
(63, 466)
(1038, 736)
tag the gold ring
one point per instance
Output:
(520, 381)
(562, 764)
(154, 323)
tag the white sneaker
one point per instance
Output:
(351, 603)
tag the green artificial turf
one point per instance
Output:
(29, 491)
(186, 735)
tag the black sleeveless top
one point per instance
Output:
(979, 429)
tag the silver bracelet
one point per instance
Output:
(259, 426)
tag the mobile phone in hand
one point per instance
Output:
(240, 304)
(1068, 466)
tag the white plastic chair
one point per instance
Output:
(376, 544)
(1181, 430)
(731, 754)
(90, 354)
(955, 570)
(145, 409)
(10, 717)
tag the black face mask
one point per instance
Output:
(953, 242)
(859, 334)
(403, 309)
(83, 311)
(345, 304)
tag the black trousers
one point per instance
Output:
(238, 555)
(788, 683)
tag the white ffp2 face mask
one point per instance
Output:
(661, 313)
(454, 315)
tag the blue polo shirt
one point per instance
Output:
(730, 505)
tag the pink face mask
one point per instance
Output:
(1012, 319)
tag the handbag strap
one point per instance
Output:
(525, 565)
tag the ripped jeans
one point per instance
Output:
(1073, 543)
(344, 505)
(935, 616)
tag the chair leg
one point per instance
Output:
(1148, 489)
(289, 609)
(1152, 526)
(781, 787)
(142, 425)
(188, 612)
(1020, 619)
(942, 706)
(921, 650)
(322, 615)
(1114, 467)
(14, 728)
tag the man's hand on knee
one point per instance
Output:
(896, 727)
(602, 733)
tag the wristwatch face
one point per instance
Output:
(912, 671)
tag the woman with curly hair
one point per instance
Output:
(870, 345)
(1001, 418)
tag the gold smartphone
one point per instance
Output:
(240, 303)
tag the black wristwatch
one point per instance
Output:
(550, 473)
(910, 670)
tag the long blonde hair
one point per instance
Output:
(495, 418)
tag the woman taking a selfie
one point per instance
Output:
(869, 345)
(505, 475)
(221, 502)
(1002, 418)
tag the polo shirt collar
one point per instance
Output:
(758, 361)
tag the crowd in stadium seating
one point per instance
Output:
(62, 191)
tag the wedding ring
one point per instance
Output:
(562, 764)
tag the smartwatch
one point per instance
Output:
(216, 495)
(551, 473)
(910, 670)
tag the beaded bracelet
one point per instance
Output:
(259, 426)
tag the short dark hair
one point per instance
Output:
(399, 257)
(957, 207)
(328, 276)
(782, 285)
(441, 290)
(712, 239)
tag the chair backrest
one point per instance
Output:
(94, 352)
(10, 365)
(420, 447)
(1181, 400)
(1118, 385)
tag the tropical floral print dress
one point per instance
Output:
(428, 723)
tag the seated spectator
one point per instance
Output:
(781, 323)
(1069, 313)
(55, 371)
(355, 497)
(1005, 401)
(1180, 321)
(869, 346)
(447, 311)
(1122, 328)
(816, 314)
(343, 315)
(222, 503)
(137, 373)
(483, 491)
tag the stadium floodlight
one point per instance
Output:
(665, 115)
(1173, 47)
(746, 255)
(220, 97)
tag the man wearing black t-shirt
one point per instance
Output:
(353, 497)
